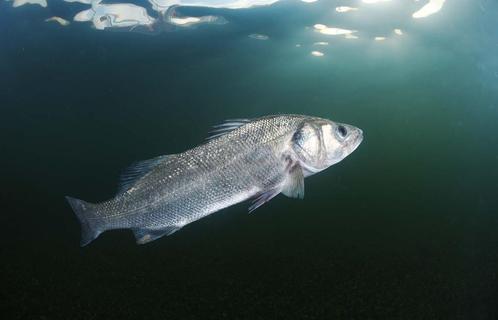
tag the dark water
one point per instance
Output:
(406, 227)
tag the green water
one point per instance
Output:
(406, 227)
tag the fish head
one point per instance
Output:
(320, 143)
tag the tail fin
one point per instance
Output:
(90, 224)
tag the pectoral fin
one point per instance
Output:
(293, 187)
(263, 198)
(294, 183)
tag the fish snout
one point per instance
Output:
(360, 135)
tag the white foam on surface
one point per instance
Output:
(258, 36)
(317, 53)
(117, 15)
(164, 5)
(429, 9)
(331, 31)
(374, 1)
(343, 9)
(59, 20)
(80, 1)
(18, 3)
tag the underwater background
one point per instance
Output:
(406, 227)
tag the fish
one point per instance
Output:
(242, 159)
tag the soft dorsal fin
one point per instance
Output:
(137, 170)
(227, 126)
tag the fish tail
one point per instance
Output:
(90, 223)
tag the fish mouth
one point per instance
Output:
(360, 136)
(357, 140)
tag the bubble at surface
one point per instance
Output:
(63, 22)
(317, 53)
(429, 9)
(257, 36)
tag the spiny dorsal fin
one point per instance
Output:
(137, 170)
(227, 126)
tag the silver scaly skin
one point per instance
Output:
(244, 159)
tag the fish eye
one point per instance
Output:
(342, 131)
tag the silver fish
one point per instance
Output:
(243, 159)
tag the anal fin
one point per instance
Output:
(144, 236)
